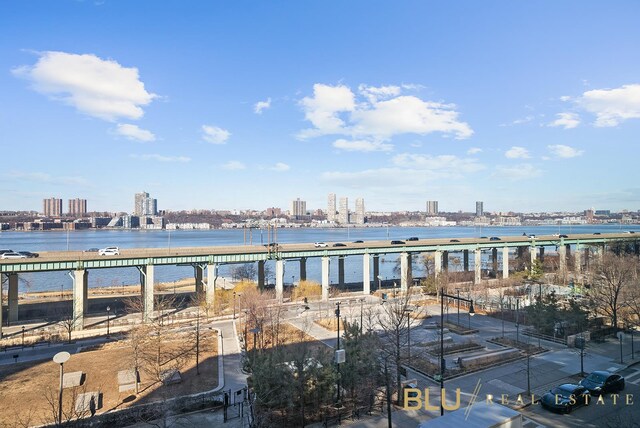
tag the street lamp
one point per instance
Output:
(442, 360)
(337, 312)
(234, 305)
(379, 282)
(22, 337)
(362, 303)
(517, 320)
(108, 316)
(61, 358)
(408, 312)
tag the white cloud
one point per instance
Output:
(565, 98)
(133, 132)
(280, 167)
(382, 114)
(612, 106)
(262, 105)
(563, 151)
(516, 152)
(43, 177)
(448, 165)
(373, 94)
(215, 135)
(96, 87)
(474, 150)
(519, 172)
(362, 146)
(520, 121)
(233, 166)
(161, 158)
(566, 120)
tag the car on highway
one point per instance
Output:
(28, 254)
(596, 233)
(454, 240)
(563, 236)
(109, 251)
(320, 244)
(358, 242)
(271, 244)
(12, 255)
(397, 242)
(91, 250)
(339, 244)
(565, 397)
(495, 238)
(603, 382)
(5, 251)
(631, 231)
(413, 238)
(532, 236)
(484, 237)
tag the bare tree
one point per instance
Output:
(612, 277)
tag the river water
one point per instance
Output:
(81, 240)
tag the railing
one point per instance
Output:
(532, 333)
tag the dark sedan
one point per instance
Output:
(358, 242)
(28, 254)
(565, 397)
(602, 382)
(339, 244)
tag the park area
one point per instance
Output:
(29, 392)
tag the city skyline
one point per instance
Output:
(523, 106)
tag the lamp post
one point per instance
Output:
(517, 319)
(234, 305)
(362, 303)
(458, 294)
(408, 312)
(337, 312)
(22, 337)
(108, 316)
(442, 360)
(61, 358)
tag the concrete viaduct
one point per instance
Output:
(207, 259)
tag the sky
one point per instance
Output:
(527, 106)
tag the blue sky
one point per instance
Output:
(527, 106)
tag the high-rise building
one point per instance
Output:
(359, 214)
(77, 207)
(52, 207)
(343, 211)
(331, 207)
(144, 205)
(298, 209)
(479, 209)
(432, 207)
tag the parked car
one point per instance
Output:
(495, 238)
(28, 254)
(109, 251)
(91, 250)
(339, 244)
(601, 382)
(358, 242)
(397, 242)
(413, 238)
(320, 244)
(13, 255)
(565, 397)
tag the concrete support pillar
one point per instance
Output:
(366, 274)
(477, 266)
(541, 254)
(437, 262)
(80, 294)
(279, 279)
(12, 302)
(2, 280)
(147, 282)
(562, 259)
(533, 256)
(465, 260)
(325, 278)
(341, 272)
(212, 277)
(406, 276)
(578, 260)
(494, 261)
(505, 262)
(587, 256)
(198, 273)
(376, 268)
(261, 274)
(445, 261)
(303, 268)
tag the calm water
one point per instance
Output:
(81, 240)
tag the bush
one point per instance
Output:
(306, 289)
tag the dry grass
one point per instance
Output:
(329, 323)
(287, 334)
(24, 384)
